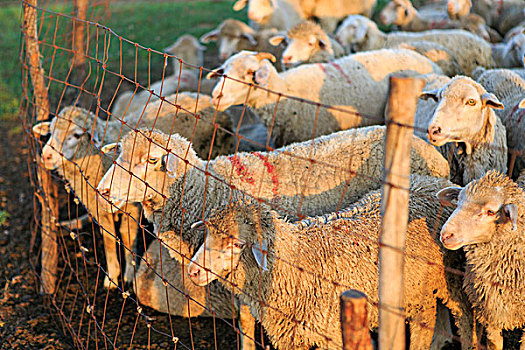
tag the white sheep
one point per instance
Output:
(291, 275)
(73, 151)
(489, 224)
(467, 129)
(510, 53)
(347, 84)
(284, 14)
(509, 88)
(186, 77)
(306, 42)
(361, 34)
(234, 36)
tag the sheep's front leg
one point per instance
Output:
(247, 328)
(128, 233)
(422, 328)
(494, 338)
(107, 228)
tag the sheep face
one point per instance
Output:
(515, 49)
(230, 34)
(220, 253)
(353, 31)
(66, 132)
(482, 208)
(186, 47)
(142, 162)
(259, 11)
(249, 69)
(458, 8)
(398, 13)
(463, 113)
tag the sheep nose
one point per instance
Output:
(434, 130)
(287, 59)
(104, 192)
(194, 271)
(445, 236)
(48, 156)
(224, 55)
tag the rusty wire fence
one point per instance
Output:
(129, 196)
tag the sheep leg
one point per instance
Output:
(494, 338)
(107, 228)
(443, 330)
(247, 328)
(77, 223)
(128, 233)
(422, 328)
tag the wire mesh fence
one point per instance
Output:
(189, 201)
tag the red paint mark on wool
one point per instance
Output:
(241, 170)
(519, 115)
(339, 69)
(270, 169)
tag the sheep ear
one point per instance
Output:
(42, 128)
(250, 38)
(198, 226)
(522, 103)
(169, 164)
(431, 94)
(449, 196)
(215, 73)
(211, 36)
(262, 75)
(239, 5)
(277, 39)
(491, 101)
(265, 56)
(259, 253)
(110, 148)
(510, 212)
(96, 139)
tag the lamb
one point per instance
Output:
(466, 128)
(284, 14)
(73, 151)
(489, 224)
(511, 53)
(234, 36)
(347, 85)
(187, 49)
(306, 42)
(361, 34)
(509, 88)
(403, 14)
(271, 261)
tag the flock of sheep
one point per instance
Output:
(264, 183)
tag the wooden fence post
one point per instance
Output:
(354, 321)
(79, 58)
(401, 108)
(48, 197)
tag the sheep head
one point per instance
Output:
(72, 126)
(230, 34)
(463, 115)
(303, 41)
(232, 233)
(238, 74)
(353, 31)
(515, 48)
(259, 11)
(187, 48)
(398, 12)
(483, 206)
(146, 157)
(458, 8)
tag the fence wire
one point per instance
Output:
(125, 215)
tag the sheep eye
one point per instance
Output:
(77, 136)
(490, 213)
(238, 245)
(153, 160)
(471, 102)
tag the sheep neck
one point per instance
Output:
(276, 82)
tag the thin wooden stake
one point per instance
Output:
(394, 208)
(354, 321)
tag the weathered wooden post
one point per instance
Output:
(401, 108)
(79, 58)
(354, 321)
(48, 197)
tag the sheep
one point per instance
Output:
(306, 42)
(467, 130)
(511, 53)
(284, 14)
(435, 52)
(470, 51)
(347, 84)
(268, 261)
(187, 49)
(489, 224)
(405, 15)
(73, 151)
(509, 88)
(234, 36)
